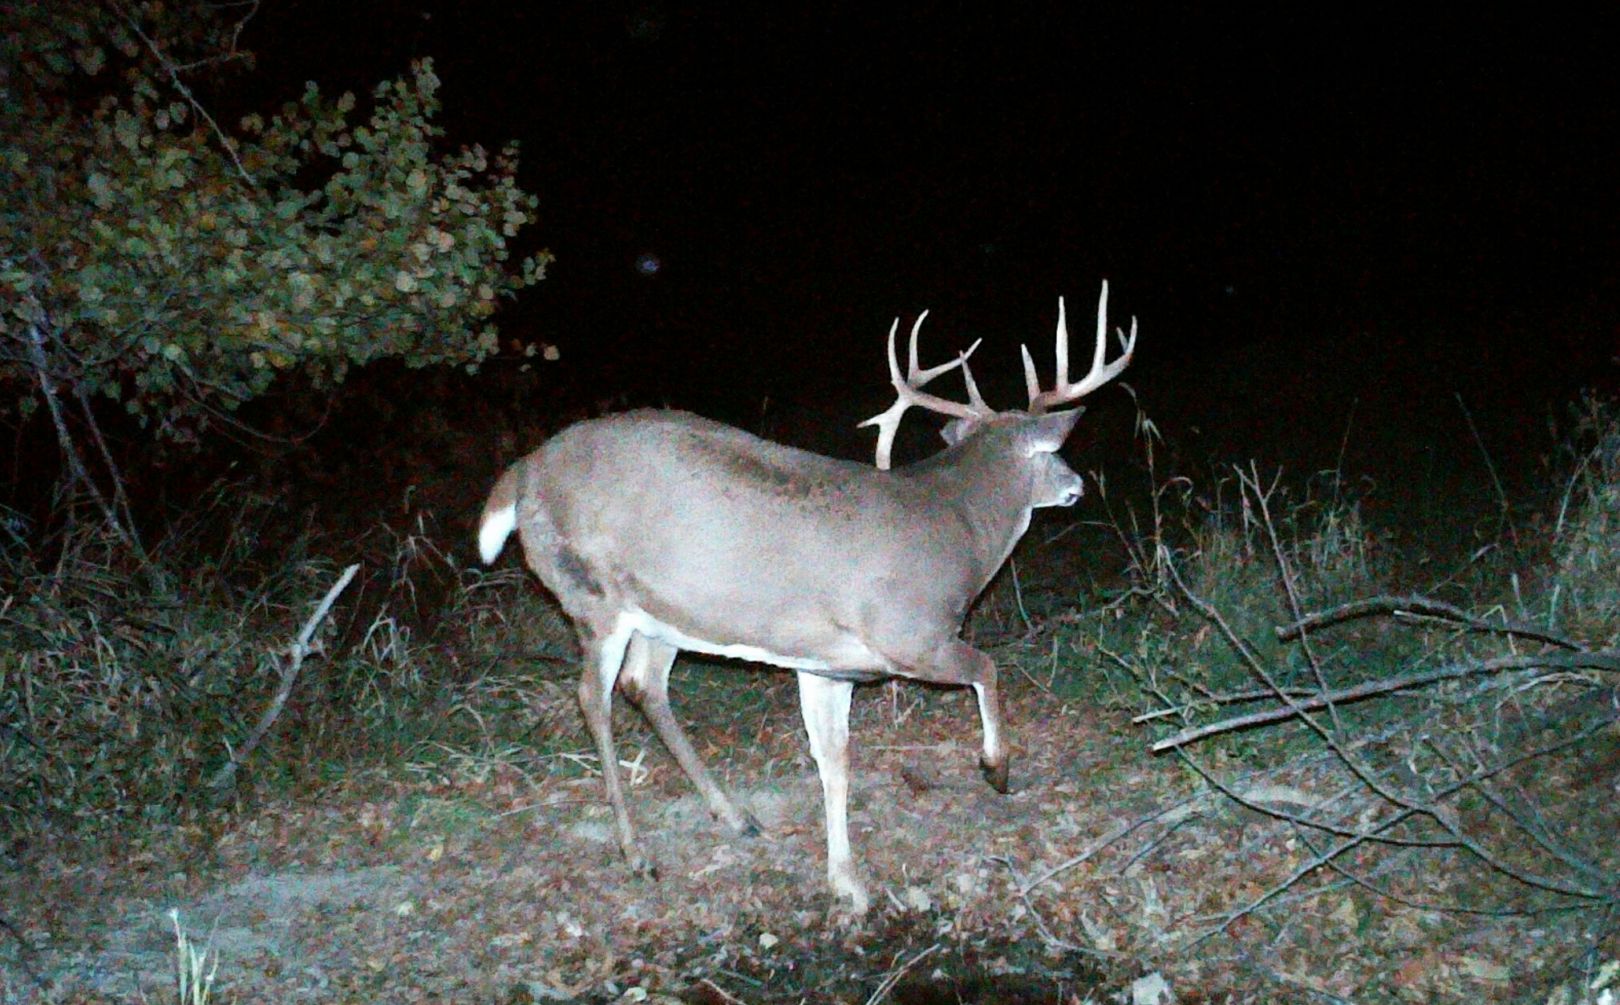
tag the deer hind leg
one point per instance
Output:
(645, 681)
(825, 704)
(603, 656)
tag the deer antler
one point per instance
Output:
(908, 392)
(1064, 392)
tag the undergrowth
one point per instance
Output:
(1584, 593)
(1441, 741)
(122, 693)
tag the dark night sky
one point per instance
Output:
(1301, 209)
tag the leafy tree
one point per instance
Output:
(154, 256)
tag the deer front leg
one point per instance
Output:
(969, 666)
(603, 657)
(825, 705)
(993, 762)
(956, 662)
(645, 680)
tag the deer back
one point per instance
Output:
(735, 541)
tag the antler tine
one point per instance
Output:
(975, 400)
(908, 393)
(1062, 349)
(1101, 371)
(916, 376)
(1032, 381)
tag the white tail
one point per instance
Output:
(659, 531)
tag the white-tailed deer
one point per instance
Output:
(660, 531)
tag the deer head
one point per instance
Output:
(660, 531)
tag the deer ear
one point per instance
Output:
(957, 430)
(1047, 433)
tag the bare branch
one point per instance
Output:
(40, 364)
(1608, 660)
(289, 675)
(173, 71)
(1416, 604)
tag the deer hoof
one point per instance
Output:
(995, 774)
(643, 867)
(849, 895)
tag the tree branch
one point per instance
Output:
(289, 675)
(1399, 606)
(1607, 660)
(173, 72)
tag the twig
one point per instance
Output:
(1040, 922)
(1531, 824)
(1399, 606)
(1285, 574)
(1080, 859)
(1344, 447)
(120, 499)
(1490, 466)
(894, 976)
(27, 956)
(1230, 698)
(1363, 772)
(289, 674)
(725, 996)
(173, 72)
(64, 439)
(1018, 595)
(1351, 838)
(1608, 660)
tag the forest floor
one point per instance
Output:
(1106, 875)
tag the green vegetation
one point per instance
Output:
(1469, 789)
(180, 265)
(1584, 591)
(1407, 729)
(175, 265)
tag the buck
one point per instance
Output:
(660, 531)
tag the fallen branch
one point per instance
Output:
(1419, 605)
(290, 666)
(1608, 660)
(1230, 698)
(894, 975)
(27, 955)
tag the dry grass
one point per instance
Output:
(439, 719)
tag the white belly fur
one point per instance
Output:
(851, 654)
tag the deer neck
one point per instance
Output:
(988, 497)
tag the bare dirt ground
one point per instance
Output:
(489, 884)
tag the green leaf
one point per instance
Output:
(90, 58)
(128, 130)
(100, 189)
(350, 243)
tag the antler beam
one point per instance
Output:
(908, 392)
(967, 416)
(1101, 372)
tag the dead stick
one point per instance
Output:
(289, 674)
(1416, 604)
(1608, 660)
(894, 976)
